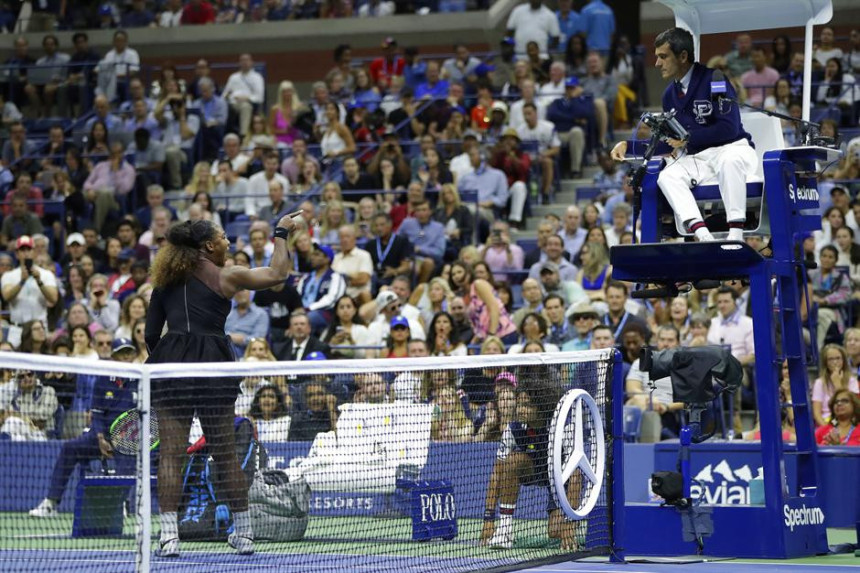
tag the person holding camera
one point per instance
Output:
(28, 290)
(717, 147)
(178, 133)
(500, 253)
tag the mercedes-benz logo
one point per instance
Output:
(591, 461)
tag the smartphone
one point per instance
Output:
(28, 263)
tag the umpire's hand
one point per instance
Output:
(104, 447)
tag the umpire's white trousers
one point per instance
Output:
(730, 164)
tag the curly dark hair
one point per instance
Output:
(177, 260)
(256, 412)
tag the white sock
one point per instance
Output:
(704, 235)
(506, 519)
(242, 524)
(735, 235)
(169, 526)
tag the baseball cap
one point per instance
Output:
(121, 344)
(571, 82)
(24, 242)
(126, 255)
(385, 298)
(75, 238)
(316, 355)
(507, 40)
(326, 250)
(499, 106)
(399, 320)
(483, 69)
(105, 10)
(549, 266)
(508, 378)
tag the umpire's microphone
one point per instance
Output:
(718, 86)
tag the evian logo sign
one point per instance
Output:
(720, 484)
(802, 516)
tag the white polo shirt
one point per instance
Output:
(30, 304)
(543, 132)
(356, 261)
(532, 26)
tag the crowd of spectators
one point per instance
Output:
(415, 178)
(106, 14)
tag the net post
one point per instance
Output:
(143, 531)
(616, 554)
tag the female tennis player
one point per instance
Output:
(192, 294)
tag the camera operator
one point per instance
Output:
(178, 133)
(717, 146)
(28, 290)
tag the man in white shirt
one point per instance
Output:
(116, 67)
(28, 290)
(233, 154)
(549, 145)
(533, 22)
(171, 16)
(354, 264)
(231, 188)
(573, 233)
(732, 328)
(528, 92)
(178, 135)
(258, 185)
(554, 88)
(660, 400)
(376, 9)
(245, 89)
(461, 164)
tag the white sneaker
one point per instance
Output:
(501, 540)
(704, 235)
(44, 509)
(243, 545)
(735, 235)
(168, 548)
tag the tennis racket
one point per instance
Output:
(125, 432)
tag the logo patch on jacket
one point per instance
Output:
(703, 109)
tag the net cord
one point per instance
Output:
(41, 363)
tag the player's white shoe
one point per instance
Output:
(45, 509)
(501, 540)
(243, 545)
(168, 548)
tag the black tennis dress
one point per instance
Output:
(195, 312)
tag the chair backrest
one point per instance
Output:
(632, 423)
(766, 134)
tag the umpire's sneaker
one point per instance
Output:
(243, 545)
(501, 540)
(45, 509)
(168, 548)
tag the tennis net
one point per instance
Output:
(454, 464)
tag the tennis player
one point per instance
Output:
(522, 459)
(111, 397)
(192, 295)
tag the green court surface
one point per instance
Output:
(329, 535)
(374, 540)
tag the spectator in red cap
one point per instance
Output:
(28, 290)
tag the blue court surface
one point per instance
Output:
(94, 561)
